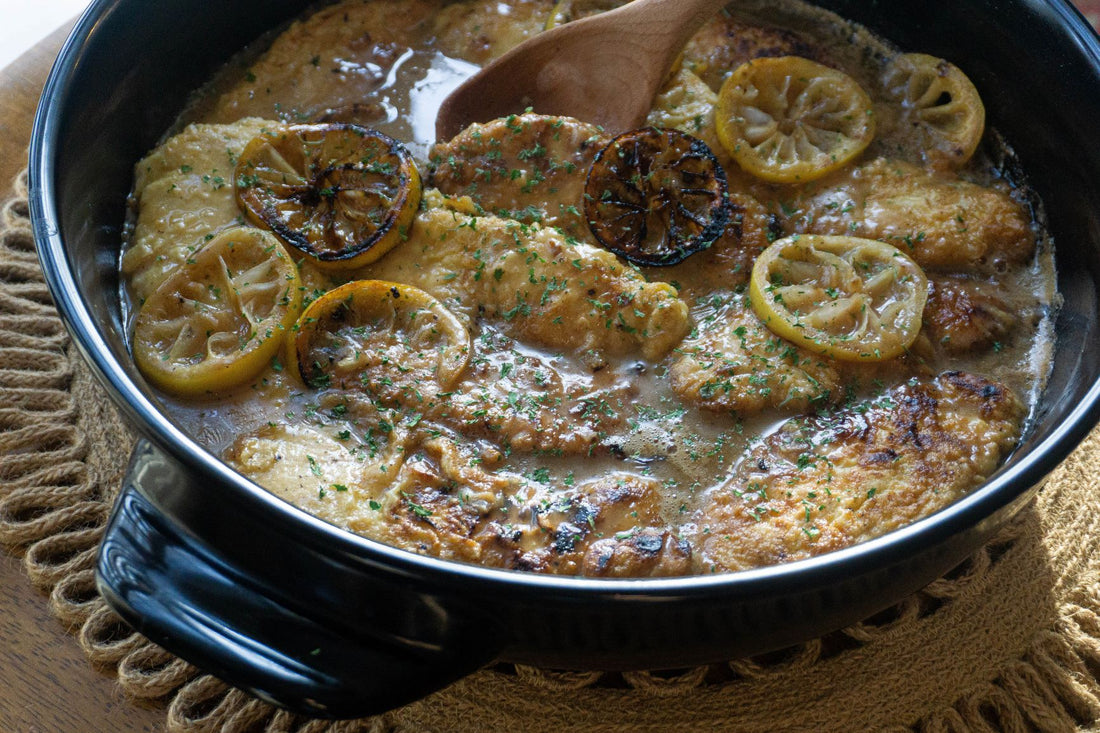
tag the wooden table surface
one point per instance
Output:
(46, 683)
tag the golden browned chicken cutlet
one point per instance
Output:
(517, 398)
(444, 501)
(418, 493)
(184, 195)
(610, 526)
(522, 401)
(964, 314)
(825, 482)
(733, 363)
(725, 43)
(939, 220)
(529, 167)
(539, 284)
(331, 471)
(438, 499)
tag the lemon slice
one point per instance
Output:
(342, 194)
(394, 341)
(939, 101)
(788, 119)
(219, 319)
(848, 298)
(656, 196)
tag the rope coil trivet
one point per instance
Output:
(1009, 640)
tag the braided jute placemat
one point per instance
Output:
(1009, 640)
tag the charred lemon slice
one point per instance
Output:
(789, 119)
(656, 196)
(848, 298)
(566, 11)
(216, 322)
(395, 341)
(343, 194)
(941, 103)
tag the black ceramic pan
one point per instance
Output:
(270, 599)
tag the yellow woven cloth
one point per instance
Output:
(1009, 640)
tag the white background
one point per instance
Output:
(24, 23)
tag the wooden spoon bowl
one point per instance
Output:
(604, 69)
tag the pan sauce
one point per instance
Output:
(560, 453)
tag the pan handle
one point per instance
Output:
(175, 590)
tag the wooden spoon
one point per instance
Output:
(604, 69)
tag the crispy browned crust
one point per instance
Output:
(829, 481)
(964, 315)
(441, 505)
(723, 44)
(608, 527)
(438, 500)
